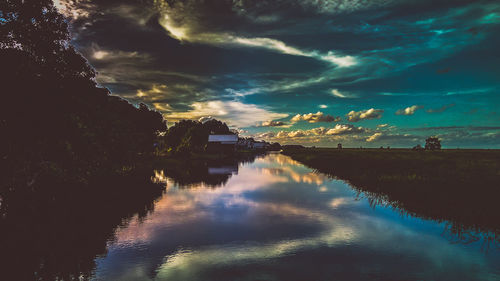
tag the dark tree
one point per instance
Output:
(432, 143)
(275, 146)
(195, 140)
(216, 127)
(192, 136)
(37, 29)
(64, 143)
(176, 133)
(53, 117)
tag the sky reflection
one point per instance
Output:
(278, 220)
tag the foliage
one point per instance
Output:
(64, 142)
(192, 136)
(53, 117)
(216, 127)
(432, 143)
(275, 146)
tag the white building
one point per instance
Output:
(222, 142)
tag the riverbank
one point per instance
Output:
(459, 186)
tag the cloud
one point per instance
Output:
(355, 116)
(397, 139)
(293, 55)
(473, 91)
(272, 123)
(182, 22)
(241, 93)
(469, 92)
(163, 107)
(88, 10)
(374, 137)
(293, 134)
(341, 129)
(179, 96)
(315, 117)
(205, 119)
(95, 52)
(114, 55)
(265, 135)
(348, 134)
(343, 95)
(467, 128)
(470, 138)
(156, 92)
(342, 6)
(234, 113)
(409, 110)
(440, 109)
(338, 130)
(74, 9)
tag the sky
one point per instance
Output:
(365, 73)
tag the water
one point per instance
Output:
(275, 219)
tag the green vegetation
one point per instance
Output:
(456, 186)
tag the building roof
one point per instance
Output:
(223, 138)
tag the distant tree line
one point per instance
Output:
(54, 118)
(192, 136)
(188, 136)
(431, 143)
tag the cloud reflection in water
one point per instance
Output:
(276, 212)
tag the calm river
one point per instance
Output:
(275, 219)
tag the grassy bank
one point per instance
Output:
(457, 186)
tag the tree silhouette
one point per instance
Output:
(432, 143)
(37, 29)
(64, 142)
(54, 119)
(216, 127)
(192, 136)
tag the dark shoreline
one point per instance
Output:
(42, 222)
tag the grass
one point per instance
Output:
(457, 186)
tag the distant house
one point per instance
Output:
(218, 143)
